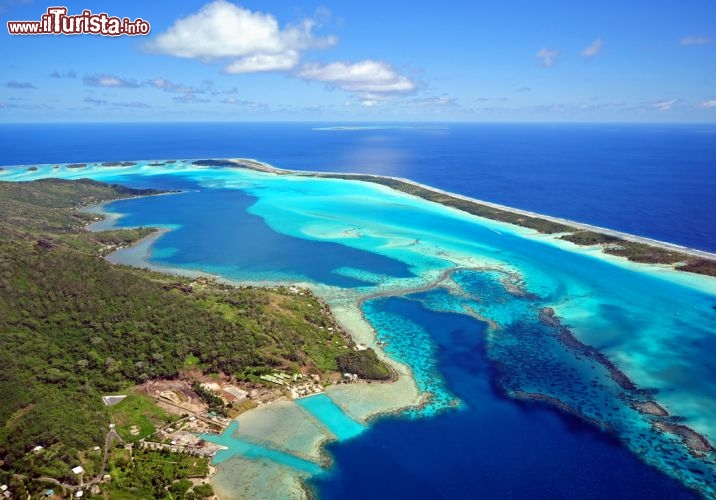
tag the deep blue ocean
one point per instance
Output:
(657, 181)
(494, 447)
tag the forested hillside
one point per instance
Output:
(74, 327)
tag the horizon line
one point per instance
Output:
(426, 122)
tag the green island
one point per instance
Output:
(642, 252)
(118, 164)
(111, 372)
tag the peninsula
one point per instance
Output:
(78, 330)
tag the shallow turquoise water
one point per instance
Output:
(247, 449)
(331, 416)
(659, 327)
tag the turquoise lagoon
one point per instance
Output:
(457, 299)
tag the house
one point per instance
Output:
(78, 470)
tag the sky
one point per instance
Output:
(369, 61)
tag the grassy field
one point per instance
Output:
(140, 412)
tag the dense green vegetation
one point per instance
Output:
(47, 211)
(365, 364)
(109, 325)
(214, 163)
(118, 164)
(155, 474)
(74, 327)
(642, 252)
(699, 266)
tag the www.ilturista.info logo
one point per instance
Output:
(57, 22)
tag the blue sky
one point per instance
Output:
(557, 61)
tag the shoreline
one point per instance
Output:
(568, 222)
(571, 224)
(363, 402)
(254, 164)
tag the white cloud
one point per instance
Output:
(118, 104)
(207, 87)
(710, 104)
(695, 40)
(434, 102)
(14, 84)
(548, 56)
(664, 105)
(364, 76)
(254, 39)
(188, 98)
(264, 62)
(108, 81)
(58, 74)
(91, 100)
(169, 86)
(593, 49)
(131, 104)
(244, 103)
